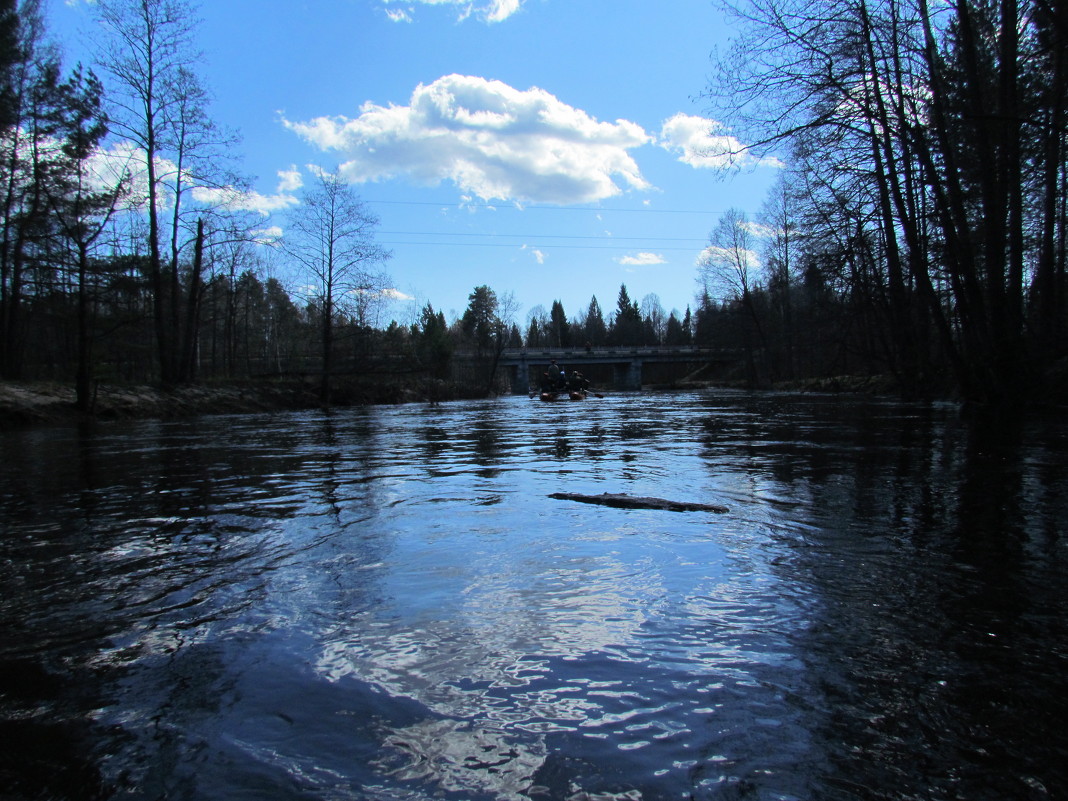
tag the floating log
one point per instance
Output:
(620, 501)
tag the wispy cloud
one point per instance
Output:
(758, 229)
(267, 236)
(643, 259)
(484, 10)
(704, 144)
(539, 256)
(713, 254)
(492, 140)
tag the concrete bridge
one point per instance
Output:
(524, 366)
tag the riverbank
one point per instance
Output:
(50, 403)
(43, 403)
(33, 403)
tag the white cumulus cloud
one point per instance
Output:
(124, 161)
(234, 199)
(290, 180)
(485, 10)
(704, 144)
(500, 10)
(492, 140)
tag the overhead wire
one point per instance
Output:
(538, 240)
(545, 236)
(512, 207)
(537, 246)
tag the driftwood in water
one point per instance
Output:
(636, 502)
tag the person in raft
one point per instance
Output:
(561, 378)
(551, 377)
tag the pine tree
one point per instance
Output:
(594, 329)
(627, 324)
(10, 55)
(434, 345)
(480, 319)
(559, 327)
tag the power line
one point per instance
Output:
(530, 246)
(510, 207)
(539, 240)
(544, 236)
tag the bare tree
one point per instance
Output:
(149, 42)
(537, 325)
(780, 255)
(654, 316)
(331, 239)
(504, 322)
(160, 109)
(937, 134)
(729, 268)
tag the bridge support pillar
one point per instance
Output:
(628, 375)
(518, 377)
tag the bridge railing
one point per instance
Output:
(603, 351)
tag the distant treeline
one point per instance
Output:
(918, 229)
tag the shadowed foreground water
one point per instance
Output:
(384, 604)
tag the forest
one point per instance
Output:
(917, 231)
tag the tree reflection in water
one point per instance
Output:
(933, 576)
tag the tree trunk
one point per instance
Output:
(83, 373)
(13, 336)
(192, 327)
(328, 348)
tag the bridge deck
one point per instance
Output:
(616, 355)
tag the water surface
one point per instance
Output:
(384, 604)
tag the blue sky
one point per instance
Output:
(552, 149)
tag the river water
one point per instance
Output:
(384, 603)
